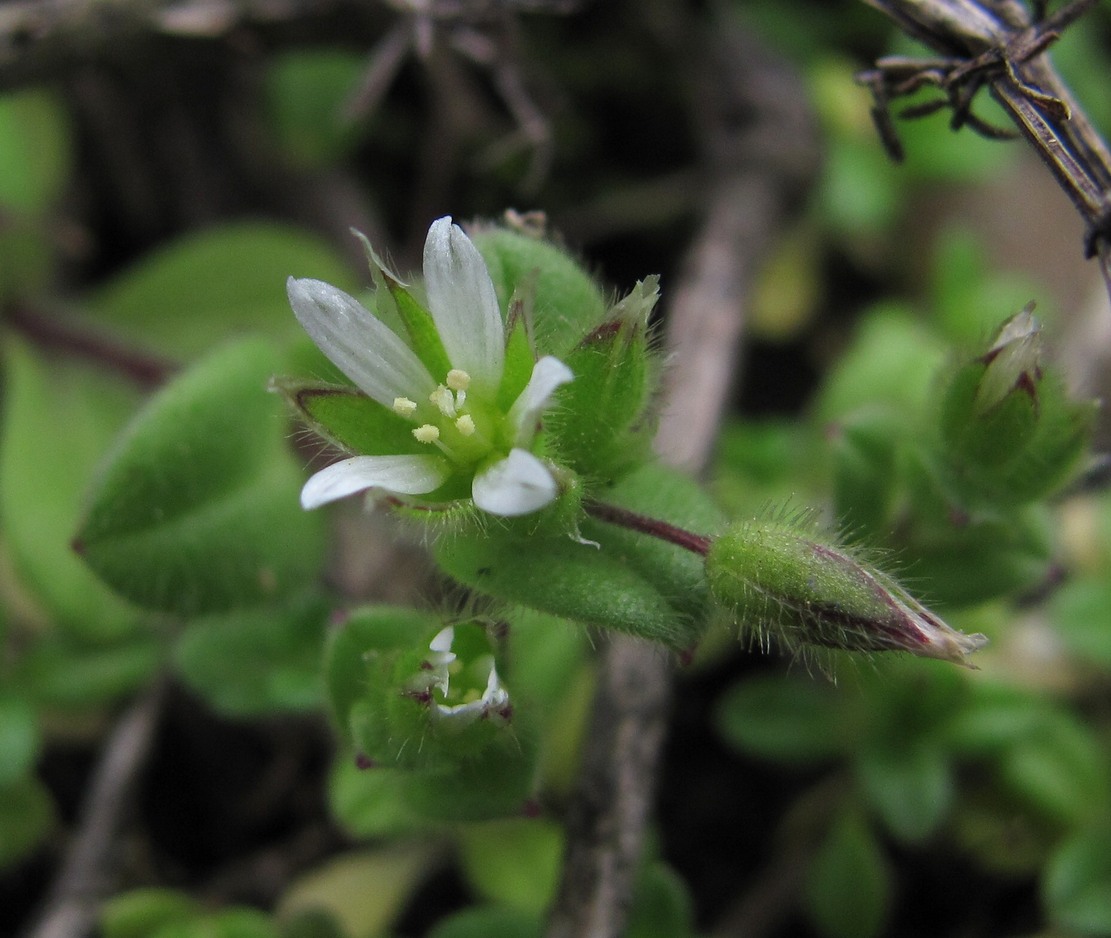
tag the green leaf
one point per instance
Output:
(26, 814)
(960, 561)
(630, 582)
(371, 802)
(197, 509)
(994, 718)
(1060, 769)
(35, 150)
(662, 906)
(140, 913)
(566, 302)
(255, 661)
(1081, 612)
(67, 674)
(19, 738)
(513, 862)
(910, 787)
(44, 471)
(892, 360)
(235, 922)
(364, 890)
(1077, 883)
(496, 783)
(490, 922)
(306, 91)
(863, 450)
(204, 288)
(848, 884)
(787, 719)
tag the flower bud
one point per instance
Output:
(1009, 431)
(603, 424)
(784, 585)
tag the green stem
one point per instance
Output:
(653, 527)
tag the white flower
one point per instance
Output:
(455, 416)
(492, 703)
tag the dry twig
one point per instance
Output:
(999, 44)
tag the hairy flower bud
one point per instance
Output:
(785, 585)
(1009, 431)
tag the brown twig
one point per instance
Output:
(998, 44)
(757, 173)
(85, 876)
(73, 339)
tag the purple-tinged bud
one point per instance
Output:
(784, 585)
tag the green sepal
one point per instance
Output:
(1009, 432)
(420, 327)
(364, 633)
(782, 582)
(601, 426)
(610, 576)
(351, 420)
(519, 361)
(424, 338)
(985, 439)
(195, 511)
(566, 302)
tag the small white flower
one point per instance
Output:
(455, 415)
(493, 703)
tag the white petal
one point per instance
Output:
(361, 346)
(517, 485)
(403, 475)
(463, 303)
(547, 374)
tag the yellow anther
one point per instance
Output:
(427, 433)
(465, 425)
(404, 406)
(458, 379)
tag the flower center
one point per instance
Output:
(452, 423)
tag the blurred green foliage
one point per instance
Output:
(185, 502)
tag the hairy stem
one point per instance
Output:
(653, 527)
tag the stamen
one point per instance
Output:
(404, 407)
(458, 379)
(444, 401)
(465, 425)
(427, 433)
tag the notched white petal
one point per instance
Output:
(361, 346)
(548, 374)
(463, 303)
(517, 485)
(402, 475)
